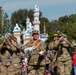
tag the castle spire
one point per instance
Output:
(36, 22)
(44, 29)
(27, 22)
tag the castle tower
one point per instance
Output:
(17, 32)
(27, 33)
(44, 29)
(27, 22)
(36, 21)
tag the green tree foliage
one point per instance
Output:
(44, 20)
(65, 24)
(6, 24)
(69, 26)
(19, 17)
(53, 26)
(70, 30)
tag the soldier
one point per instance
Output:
(10, 64)
(16, 56)
(64, 62)
(36, 60)
(5, 54)
(1, 44)
(53, 46)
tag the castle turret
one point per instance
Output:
(27, 22)
(27, 33)
(36, 21)
(44, 29)
(17, 32)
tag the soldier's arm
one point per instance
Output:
(70, 44)
(43, 46)
(27, 45)
(17, 46)
(1, 45)
(10, 46)
(58, 42)
(52, 45)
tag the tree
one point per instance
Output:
(65, 24)
(6, 24)
(44, 20)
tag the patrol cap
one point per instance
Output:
(8, 36)
(55, 35)
(62, 35)
(35, 32)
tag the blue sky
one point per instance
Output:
(52, 9)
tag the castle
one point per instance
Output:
(26, 34)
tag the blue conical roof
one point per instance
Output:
(17, 28)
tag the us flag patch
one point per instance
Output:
(36, 43)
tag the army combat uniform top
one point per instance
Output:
(10, 64)
(53, 47)
(64, 62)
(36, 62)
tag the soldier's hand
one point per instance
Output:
(61, 38)
(6, 41)
(41, 53)
(67, 41)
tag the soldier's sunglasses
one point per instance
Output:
(35, 34)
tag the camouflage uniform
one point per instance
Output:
(3, 70)
(7, 51)
(64, 62)
(5, 54)
(53, 46)
(16, 57)
(36, 62)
